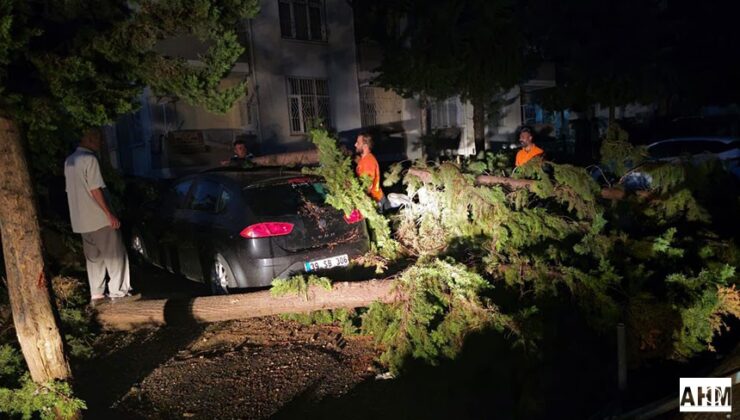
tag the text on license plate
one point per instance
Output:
(327, 263)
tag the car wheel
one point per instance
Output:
(138, 246)
(222, 278)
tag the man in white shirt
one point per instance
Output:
(92, 218)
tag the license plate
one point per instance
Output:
(327, 263)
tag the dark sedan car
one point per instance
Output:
(235, 228)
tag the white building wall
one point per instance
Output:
(467, 136)
(510, 118)
(412, 124)
(276, 57)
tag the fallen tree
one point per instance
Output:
(609, 193)
(496, 254)
(133, 314)
(302, 158)
(311, 157)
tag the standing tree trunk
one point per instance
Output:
(479, 124)
(28, 288)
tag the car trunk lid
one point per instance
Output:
(300, 201)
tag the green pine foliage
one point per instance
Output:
(618, 155)
(701, 301)
(71, 65)
(346, 192)
(444, 303)
(77, 325)
(11, 366)
(393, 175)
(20, 396)
(489, 163)
(298, 284)
(49, 401)
(559, 234)
(348, 320)
(655, 262)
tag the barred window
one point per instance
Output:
(302, 19)
(443, 114)
(308, 104)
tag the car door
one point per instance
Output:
(172, 222)
(207, 227)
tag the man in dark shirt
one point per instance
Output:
(241, 158)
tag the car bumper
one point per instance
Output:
(262, 271)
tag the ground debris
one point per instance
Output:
(236, 369)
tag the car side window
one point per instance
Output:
(206, 196)
(223, 201)
(181, 193)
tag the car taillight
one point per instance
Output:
(265, 230)
(354, 217)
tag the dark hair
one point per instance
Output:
(92, 131)
(526, 129)
(367, 138)
(239, 141)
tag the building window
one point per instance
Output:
(368, 110)
(248, 112)
(302, 19)
(443, 114)
(529, 114)
(308, 104)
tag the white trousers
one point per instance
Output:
(104, 251)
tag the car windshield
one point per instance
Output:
(284, 199)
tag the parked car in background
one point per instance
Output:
(692, 150)
(695, 149)
(241, 228)
(679, 150)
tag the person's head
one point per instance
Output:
(240, 149)
(364, 143)
(92, 139)
(525, 137)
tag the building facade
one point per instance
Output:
(300, 65)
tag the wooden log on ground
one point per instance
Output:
(132, 314)
(513, 183)
(302, 158)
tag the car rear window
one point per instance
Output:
(285, 198)
(206, 196)
(181, 193)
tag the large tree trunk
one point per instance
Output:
(127, 315)
(516, 184)
(306, 157)
(28, 288)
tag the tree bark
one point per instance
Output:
(28, 288)
(306, 157)
(311, 157)
(515, 184)
(128, 315)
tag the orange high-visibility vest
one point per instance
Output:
(524, 156)
(368, 166)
